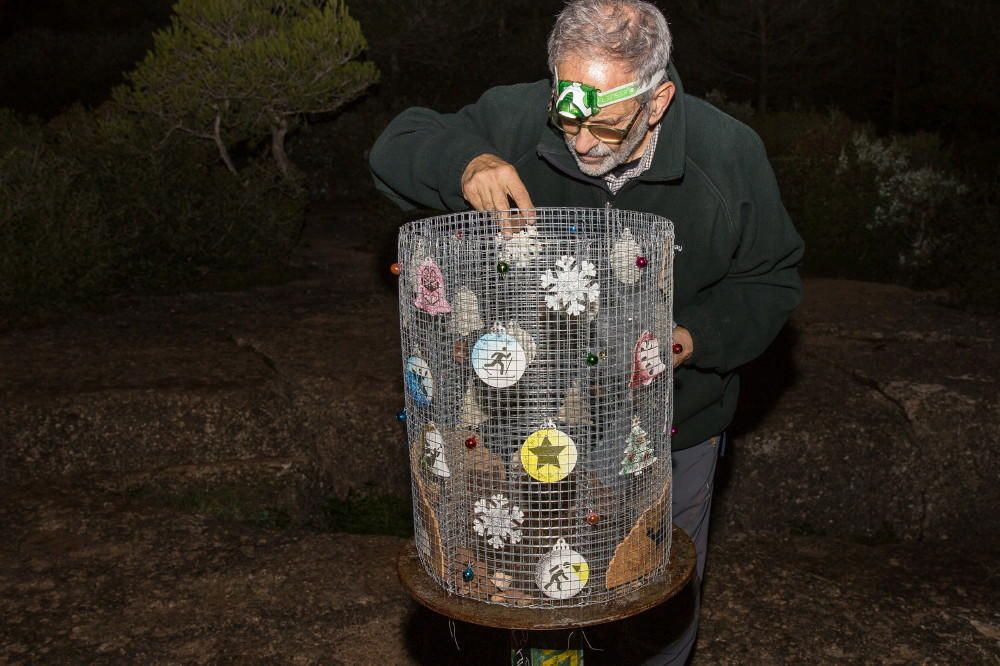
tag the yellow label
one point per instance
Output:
(548, 455)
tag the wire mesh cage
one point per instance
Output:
(539, 401)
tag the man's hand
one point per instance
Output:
(682, 337)
(490, 183)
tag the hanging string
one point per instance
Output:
(454, 633)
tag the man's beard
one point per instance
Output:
(613, 157)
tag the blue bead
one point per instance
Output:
(572, 228)
(401, 415)
(468, 574)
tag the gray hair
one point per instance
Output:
(630, 31)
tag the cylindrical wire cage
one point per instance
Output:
(538, 381)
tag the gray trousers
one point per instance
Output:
(694, 472)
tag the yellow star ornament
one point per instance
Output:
(548, 455)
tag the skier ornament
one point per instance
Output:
(498, 358)
(562, 573)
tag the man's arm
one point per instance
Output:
(733, 321)
(429, 159)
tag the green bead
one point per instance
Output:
(503, 267)
(468, 574)
(592, 359)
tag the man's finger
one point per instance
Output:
(519, 194)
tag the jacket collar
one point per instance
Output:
(668, 162)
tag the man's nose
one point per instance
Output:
(585, 141)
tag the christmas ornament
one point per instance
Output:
(401, 415)
(562, 573)
(592, 359)
(433, 456)
(471, 442)
(573, 410)
(641, 262)
(465, 313)
(646, 363)
(497, 520)
(498, 359)
(521, 248)
(430, 289)
(468, 574)
(548, 455)
(418, 380)
(645, 548)
(572, 287)
(677, 348)
(623, 258)
(471, 575)
(592, 518)
(503, 267)
(395, 269)
(470, 415)
(638, 453)
(673, 430)
(524, 339)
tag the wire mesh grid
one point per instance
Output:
(539, 401)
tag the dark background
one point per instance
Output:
(903, 66)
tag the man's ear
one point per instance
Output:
(661, 101)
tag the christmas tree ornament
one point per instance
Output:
(592, 359)
(433, 457)
(641, 262)
(465, 313)
(503, 267)
(673, 430)
(418, 380)
(548, 455)
(571, 287)
(574, 410)
(498, 359)
(521, 248)
(468, 574)
(677, 348)
(401, 416)
(497, 520)
(472, 576)
(524, 339)
(395, 268)
(623, 258)
(639, 453)
(562, 573)
(471, 414)
(646, 362)
(645, 548)
(471, 442)
(430, 289)
(593, 517)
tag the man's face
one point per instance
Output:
(593, 157)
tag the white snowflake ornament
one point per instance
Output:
(521, 247)
(498, 520)
(571, 288)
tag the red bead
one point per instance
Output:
(673, 430)
(471, 442)
(395, 269)
(593, 518)
(678, 348)
(641, 262)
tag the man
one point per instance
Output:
(614, 126)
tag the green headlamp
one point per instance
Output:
(580, 101)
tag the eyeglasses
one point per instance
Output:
(603, 133)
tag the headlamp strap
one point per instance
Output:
(579, 100)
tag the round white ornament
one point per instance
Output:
(498, 359)
(623, 257)
(562, 573)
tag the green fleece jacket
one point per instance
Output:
(735, 276)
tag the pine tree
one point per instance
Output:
(638, 451)
(246, 71)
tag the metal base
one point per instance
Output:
(423, 588)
